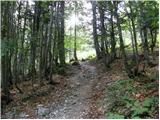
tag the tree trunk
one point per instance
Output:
(75, 33)
(50, 57)
(61, 40)
(134, 33)
(35, 27)
(95, 37)
(113, 42)
(153, 39)
(22, 43)
(103, 36)
(16, 64)
(146, 49)
(121, 40)
(5, 56)
(152, 42)
(143, 33)
(133, 43)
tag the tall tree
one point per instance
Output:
(16, 69)
(115, 3)
(143, 33)
(75, 31)
(134, 30)
(104, 47)
(112, 33)
(61, 32)
(23, 40)
(95, 37)
(7, 46)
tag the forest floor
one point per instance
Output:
(80, 93)
(70, 98)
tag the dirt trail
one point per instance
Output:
(74, 103)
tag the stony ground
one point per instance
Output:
(72, 101)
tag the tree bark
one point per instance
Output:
(95, 37)
(16, 61)
(134, 32)
(143, 33)
(75, 34)
(61, 40)
(113, 42)
(121, 40)
(104, 51)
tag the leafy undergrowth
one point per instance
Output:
(99, 106)
(133, 99)
(119, 97)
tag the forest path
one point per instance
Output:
(76, 104)
(71, 98)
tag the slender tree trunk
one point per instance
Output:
(33, 42)
(57, 34)
(49, 43)
(75, 33)
(113, 42)
(155, 38)
(133, 43)
(70, 55)
(16, 64)
(95, 37)
(121, 40)
(152, 42)
(41, 64)
(103, 36)
(61, 40)
(134, 33)
(143, 33)
(22, 43)
(146, 49)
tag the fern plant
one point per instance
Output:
(111, 115)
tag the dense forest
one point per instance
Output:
(100, 51)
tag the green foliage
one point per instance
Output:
(120, 97)
(69, 42)
(137, 109)
(128, 101)
(148, 102)
(111, 115)
(154, 76)
(81, 40)
(150, 18)
(90, 57)
(136, 117)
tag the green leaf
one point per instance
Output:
(139, 110)
(148, 102)
(111, 115)
(137, 104)
(136, 117)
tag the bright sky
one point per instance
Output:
(71, 21)
(30, 2)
